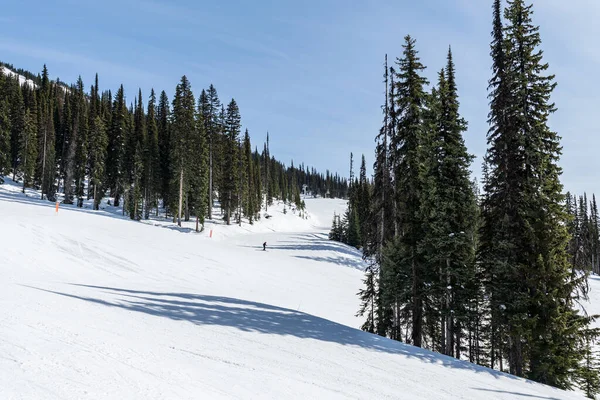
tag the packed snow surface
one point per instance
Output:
(95, 306)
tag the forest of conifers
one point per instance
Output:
(494, 273)
(178, 156)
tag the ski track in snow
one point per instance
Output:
(94, 306)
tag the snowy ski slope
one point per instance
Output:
(94, 306)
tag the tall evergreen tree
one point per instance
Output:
(79, 162)
(152, 170)
(211, 107)
(248, 185)
(28, 149)
(5, 127)
(230, 170)
(98, 146)
(525, 237)
(404, 258)
(163, 115)
(450, 211)
(17, 123)
(116, 146)
(183, 130)
(199, 170)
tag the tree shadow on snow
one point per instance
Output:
(314, 242)
(343, 261)
(248, 316)
(529, 396)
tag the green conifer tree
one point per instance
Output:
(98, 146)
(230, 170)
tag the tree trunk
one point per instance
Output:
(417, 316)
(449, 318)
(187, 208)
(180, 197)
(210, 177)
(516, 356)
(44, 165)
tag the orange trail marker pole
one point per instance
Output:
(57, 206)
(211, 233)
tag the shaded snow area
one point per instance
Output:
(95, 306)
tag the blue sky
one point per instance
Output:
(309, 72)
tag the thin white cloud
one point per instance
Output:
(49, 55)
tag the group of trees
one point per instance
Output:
(180, 156)
(493, 277)
(350, 229)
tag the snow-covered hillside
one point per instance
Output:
(93, 306)
(22, 80)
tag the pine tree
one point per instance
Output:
(152, 170)
(5, 127)
(407, 144)
(249, 185)
(134, 159)
(79, 162)
(199, 170)
(17, 123)
(98, 146)
(525, 235)
(28, 147)
(450, 211)
(116, 146)
(210, 108)
(363, 202)
(163, 114)
(230, 170)
(587, 376)
(46, 139)
(183, 129)
(368, 297)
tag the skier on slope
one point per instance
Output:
(265, 246)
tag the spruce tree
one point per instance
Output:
(525, 237)
(405, 258)
(46, 167)
(80, 161)
(368, 297)
(249, 181)
(17, 123)
(211, 105)
(183, 130)
(5, 127)
(450, 212)
(116, 146)
(199, 170)
(163, 114)
(230, 170)
(98, 146)
(28, 148)
(152, 170)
